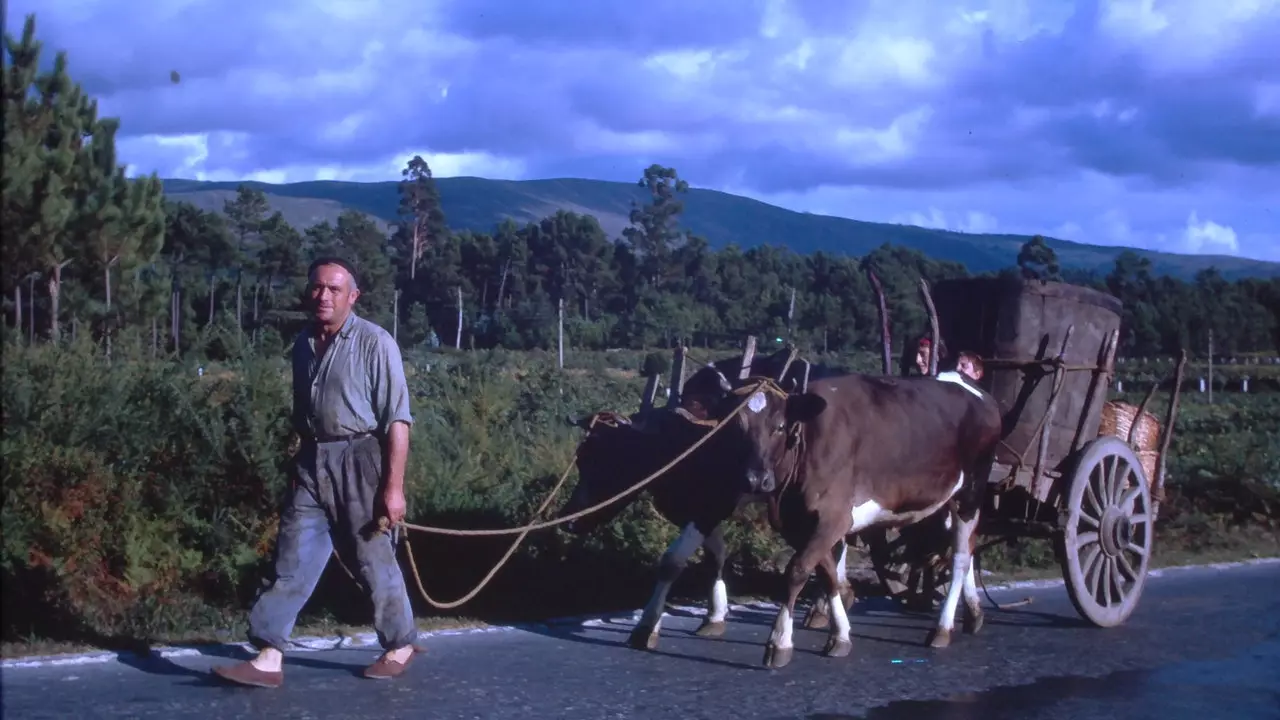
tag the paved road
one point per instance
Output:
(1203, 644)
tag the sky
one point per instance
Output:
(1144, 123)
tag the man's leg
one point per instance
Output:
(358, 479)
(303, 547)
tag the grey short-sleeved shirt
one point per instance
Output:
(358, 385)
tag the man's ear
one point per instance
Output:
(804, 407)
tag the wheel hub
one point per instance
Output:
(1115, 532)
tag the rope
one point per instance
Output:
(765, 384)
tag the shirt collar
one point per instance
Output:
(344, 332)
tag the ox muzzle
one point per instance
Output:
(761, 481)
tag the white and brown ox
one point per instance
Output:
(696, 495)
(858, 452)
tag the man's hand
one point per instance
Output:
(393, 503)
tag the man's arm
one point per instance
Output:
(391, 407)
(395, 454)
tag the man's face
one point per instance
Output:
(331, 294)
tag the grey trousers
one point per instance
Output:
(333, 500)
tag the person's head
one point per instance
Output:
(970, 364)
(331, 291)
(924, 348)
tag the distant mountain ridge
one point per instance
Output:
(479, 204)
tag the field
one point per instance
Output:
(139, 496)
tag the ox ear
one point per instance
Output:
(804, 407)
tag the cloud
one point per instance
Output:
(1152, 123)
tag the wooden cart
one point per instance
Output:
(1049, 353)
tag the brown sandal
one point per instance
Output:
(386, 669)
(245, 673)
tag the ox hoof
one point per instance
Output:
(838, 647)
(776, 657)
(939, 638)
(973, 623)
(710, 628)
(643, 638)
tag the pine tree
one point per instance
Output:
(51, 130)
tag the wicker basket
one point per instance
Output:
(1117, 419)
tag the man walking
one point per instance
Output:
(351, 409)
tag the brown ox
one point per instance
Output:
(858, 452)
(697, 495)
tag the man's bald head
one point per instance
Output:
(332, 289)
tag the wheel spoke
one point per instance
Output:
(1125, 569)
(1136, 549)
(1091, 496)
(1105, 581)
(1114, 481)
(1130, 495)
(1091, 565)
(1083, 540)
(1087, 520)
(1118, 567)
(1139, 519)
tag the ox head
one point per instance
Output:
(606, 466)
(762, 430)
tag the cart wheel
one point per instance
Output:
(913, 563)
(1108, 533)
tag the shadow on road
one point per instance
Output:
(154, 664)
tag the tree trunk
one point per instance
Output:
(502, 284)
(106, 330)
(256, 288)
(213, 291)
(457, 343)
(31, 309)
(17, 308)
(239, 306)
(55, 286)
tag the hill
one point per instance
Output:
(478, 204)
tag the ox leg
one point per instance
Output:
(972, 602)
(673, 562)
(965, 511)
(780, 648)
(838, 642)
(718, 604)
(819, 615)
